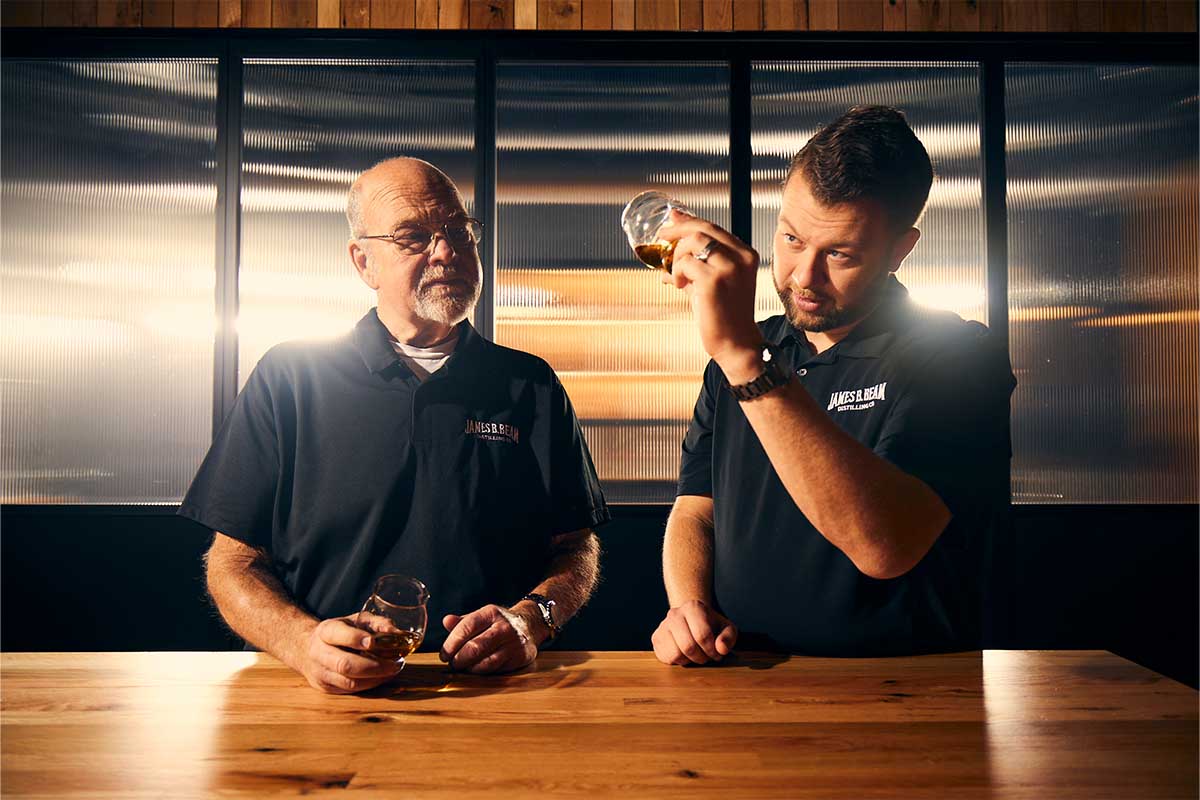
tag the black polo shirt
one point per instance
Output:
(923, 389)
(345, 466)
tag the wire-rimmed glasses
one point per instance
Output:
(417, 237)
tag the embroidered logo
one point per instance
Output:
(493, 431)
(858, 399)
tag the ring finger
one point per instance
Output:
(705, 249)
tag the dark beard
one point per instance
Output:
(836, 318)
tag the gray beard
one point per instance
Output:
(446, 309)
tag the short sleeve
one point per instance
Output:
(576, 498)
(695, 466)
(235, 489)
(950, 427)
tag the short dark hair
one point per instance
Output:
(868, 153)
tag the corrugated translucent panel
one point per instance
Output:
(575, 143)
(310, 126)
(792, 100)
(1103, 297)
(109, 199)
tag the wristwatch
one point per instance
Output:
(546, 607)
(774, 375)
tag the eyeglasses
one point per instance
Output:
(416, 238)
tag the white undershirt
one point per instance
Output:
(424, 361)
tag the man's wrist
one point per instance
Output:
(740, 364)
(293, 651)
(702, 599)
(535, 627)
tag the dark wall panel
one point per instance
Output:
(1117, 578)
(89, 582)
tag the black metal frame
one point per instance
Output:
(487, 48)
(485, 186)
(995, 203)
(229, 237)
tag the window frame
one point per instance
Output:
(992, 51)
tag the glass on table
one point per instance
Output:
(641, 220)
(395, 616)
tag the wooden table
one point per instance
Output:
(997, 725)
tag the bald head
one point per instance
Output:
(402, 176)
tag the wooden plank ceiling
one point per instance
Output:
(1117, 16)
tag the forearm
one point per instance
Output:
(688, 552)
(570, 580)
(255, 604)
(882, 518)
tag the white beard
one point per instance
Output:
(446, 309)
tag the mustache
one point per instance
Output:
(804, 294)
(446, 275)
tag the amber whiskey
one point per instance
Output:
(657, 255)
(394, 646)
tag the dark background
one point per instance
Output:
(1119, 578)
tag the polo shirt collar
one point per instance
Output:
(374, 343)
(469, 341)
(868, 339)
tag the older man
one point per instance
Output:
(848, 459)
(411, 445)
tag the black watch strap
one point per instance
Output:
(773, 376)
(546, 607)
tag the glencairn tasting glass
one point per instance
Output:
(395, 616)
(641, 221)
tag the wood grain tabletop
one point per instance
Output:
(1001, 724)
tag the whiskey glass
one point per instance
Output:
(641, 220)
(395, 616)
